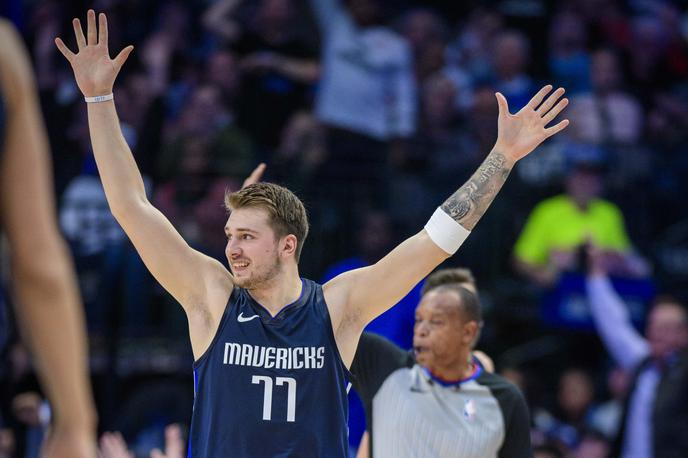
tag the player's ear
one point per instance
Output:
(289, 243)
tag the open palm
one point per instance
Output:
(94, 71)
(521, 133)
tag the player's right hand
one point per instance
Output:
(94, 71)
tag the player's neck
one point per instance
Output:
(282, 290)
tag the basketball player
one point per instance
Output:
(272, 349)
(49, 311)
(438, 400)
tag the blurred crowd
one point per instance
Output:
(373, 112)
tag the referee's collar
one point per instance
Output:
(421, 373)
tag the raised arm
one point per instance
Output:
(358, 296)
(49, 309)
(200, 284)
(623, 342)
(302, 70)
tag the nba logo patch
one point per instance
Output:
(469, 410)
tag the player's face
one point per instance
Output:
(441, 337)
(252, 248)
(667, 329)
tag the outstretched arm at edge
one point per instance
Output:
(199, 283)
(49, 309)
(357, 297)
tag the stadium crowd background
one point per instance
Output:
(214, 88)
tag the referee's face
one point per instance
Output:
(442, 338)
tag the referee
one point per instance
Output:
(438, 401)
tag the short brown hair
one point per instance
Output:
(446, 277)
(286, 211)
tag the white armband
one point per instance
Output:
(445, 232)
(99, 98)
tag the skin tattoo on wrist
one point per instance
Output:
(472, 199)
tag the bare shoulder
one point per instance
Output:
(346, 323)
(219, 286)
(336, 295)
(205, 313)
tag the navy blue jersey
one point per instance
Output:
(271, 387)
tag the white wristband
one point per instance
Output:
(445, 232)
(99, 98)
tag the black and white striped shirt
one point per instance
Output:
(411, 415)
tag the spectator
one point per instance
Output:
(560, 225)
(569, 62)
(607, 115)
(474, 47)
(575, 397)
(208, 120)
(440, 151)
(650, 68)
(278, 68)
(656, 411)
(367, 86)
(606, 417)
(222, 72)
(367, 98)
(567, 421)
(426, 33)
(511, 57)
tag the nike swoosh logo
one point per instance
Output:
(243, 319)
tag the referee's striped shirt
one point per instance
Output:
(411, 415)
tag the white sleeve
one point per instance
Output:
(626, 345)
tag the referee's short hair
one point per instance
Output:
(448, 276)
(469, 302)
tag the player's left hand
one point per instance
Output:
(521, 133)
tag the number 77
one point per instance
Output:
(267, 395)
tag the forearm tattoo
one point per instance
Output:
(472, 199)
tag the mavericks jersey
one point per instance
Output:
(271, 386)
